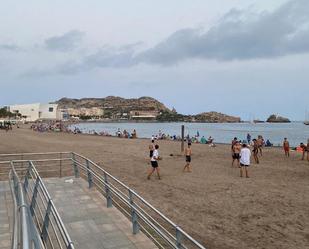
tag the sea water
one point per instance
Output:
(296, 132)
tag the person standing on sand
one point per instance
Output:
(260, 142)
(286, 147)
(151, 148)
(255, 151)
(249, 138)
(154, 163)
(188, 153)
(234, 141)
(245, 155)
(236, 153)
(304, 149)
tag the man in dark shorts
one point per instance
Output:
(236, 153)
(245, 155)
(154, 163)
(188, 153)
(234, 141)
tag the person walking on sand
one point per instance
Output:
(286, 147)
(188, 153)
(154, 163)
(236, 153)
(245, 155)
(255, 151)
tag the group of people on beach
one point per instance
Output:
(242, 154)
(126, 134)
(154, 158)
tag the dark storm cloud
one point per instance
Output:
(239, 35)
(65, 42)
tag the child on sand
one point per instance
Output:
(188, 153)
(236, 153)
(286, 147)
(154, 163)
(245, 155)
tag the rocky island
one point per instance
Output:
(277, 119)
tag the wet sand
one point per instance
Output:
(213, 204)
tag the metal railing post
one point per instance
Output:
(46, 222)
(27, 176)
(76, 171)
(109, 200)
(60, 166)
(34, 195)
(90, 179)
(135, 225)
(178, 238)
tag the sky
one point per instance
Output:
(247, 58)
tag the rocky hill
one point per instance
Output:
(115, 104)
(216, 117)
(277, 119)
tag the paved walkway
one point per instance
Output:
(6, 212)
(90, 223)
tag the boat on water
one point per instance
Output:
(306, 122)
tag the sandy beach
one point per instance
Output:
(213, 204)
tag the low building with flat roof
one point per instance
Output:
(37, 111)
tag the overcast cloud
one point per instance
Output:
(195, 56)
(238, 35)
(10, 47)
(65, 42)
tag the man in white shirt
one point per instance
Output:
(154, 163)
(245, 155)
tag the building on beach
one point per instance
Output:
(142, 115)
(38, 111)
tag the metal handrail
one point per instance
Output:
(50, 211)
(15, 220)
(126, 199)
(25, 234)
(176, 241)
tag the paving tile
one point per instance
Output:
(90, 223)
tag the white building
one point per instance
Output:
(36, 111)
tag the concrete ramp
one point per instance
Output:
(6, 214)
(90, 223)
